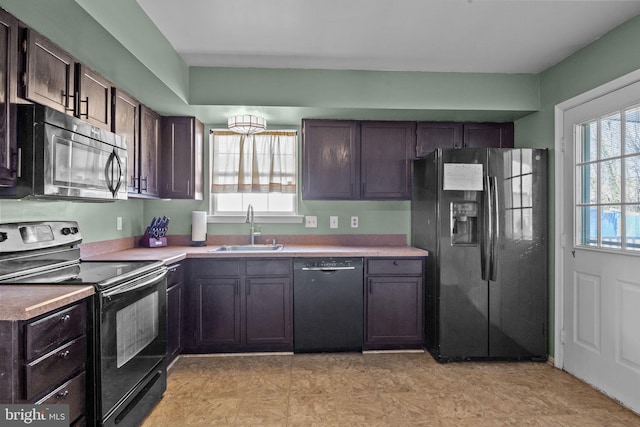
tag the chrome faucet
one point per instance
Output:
(249, 220)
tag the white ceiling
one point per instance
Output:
(494, 36)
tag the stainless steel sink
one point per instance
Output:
(248, 248)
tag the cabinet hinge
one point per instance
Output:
(562, 144)
(24, 46)
(24, 79)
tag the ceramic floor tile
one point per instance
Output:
(258, 410)
(310, 409)
(404, 408)
(381, 389)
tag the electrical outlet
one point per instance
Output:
(354, 222)
(119, 223)
(333, 222)
(311, 221)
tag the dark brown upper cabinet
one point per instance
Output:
(150, 140)
(352, 160)
(8, 95)
(386, 153)
(126, 123)
(140, 126)
(49, 73)
(54, 78)
(489, 135)
(432, 135)
(330, 160)
(182, 158)
(93, 102)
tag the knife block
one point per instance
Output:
(152, 242)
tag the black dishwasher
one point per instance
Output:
(328, 304)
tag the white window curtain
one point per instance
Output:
(261, 163)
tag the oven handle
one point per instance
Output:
(124, 288)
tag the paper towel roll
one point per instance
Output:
(199, 228)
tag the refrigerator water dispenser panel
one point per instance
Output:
(464, 223)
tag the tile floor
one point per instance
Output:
(400, 389)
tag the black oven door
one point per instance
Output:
(132, 338)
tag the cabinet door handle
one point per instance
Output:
(62, 394)
(65, 318)
(68, 102)
(395, 262)
(63, 354)
(86, 102)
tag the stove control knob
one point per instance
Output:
(66, 231)
(74, 230)
(3, 236)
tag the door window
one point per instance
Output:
(607, 189)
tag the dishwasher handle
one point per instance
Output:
(326, 268)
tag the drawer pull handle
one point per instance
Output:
(62, 394)
(65, 318)
(395, 262)
(63, 354)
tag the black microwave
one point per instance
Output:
(62, 157)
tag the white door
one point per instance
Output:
(601, 243)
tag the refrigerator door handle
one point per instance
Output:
(487, 230)
(495, 229)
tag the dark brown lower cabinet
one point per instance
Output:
(43, 360)
(238, 305)
(216, 308)
(268, 311)
(394, 315)
(175, 297)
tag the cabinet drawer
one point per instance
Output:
(72, 393)
(49, 332)
(397, 266)
(217, 268)
(175, 275)
(270, 267)
(46, 372)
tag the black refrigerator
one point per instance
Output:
(482, 215)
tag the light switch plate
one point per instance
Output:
(333, 222)
(119, 223)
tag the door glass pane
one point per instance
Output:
(611, 225)
(587, 184)
(589, 144)
(587, 225)
(632, 179)
(632, 131)
(611, 136)
(610, 179)
(632, 224)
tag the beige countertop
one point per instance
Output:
(172, 254)
(23, 302)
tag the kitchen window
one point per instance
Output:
(608, 181)
(260, 170)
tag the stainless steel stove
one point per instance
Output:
(129, 321)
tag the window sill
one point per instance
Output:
(258, 219)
